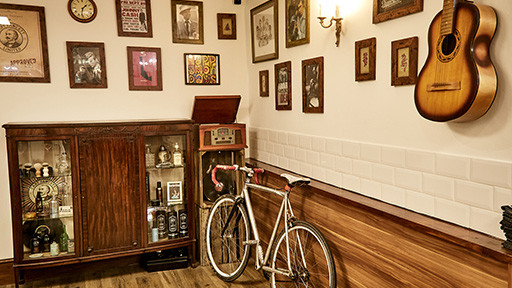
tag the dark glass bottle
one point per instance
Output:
(183, 222)
(172, 220)
(159, 192)
(46, 242)
(161, 223)
(39, 203)
(35, 244)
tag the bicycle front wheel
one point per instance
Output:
(227, 232)
(311, 260)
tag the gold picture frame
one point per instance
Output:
(366, 59)
(404, 59)
(297, 22)
(384, 10)
(187, 22)
(24, 45)
(264, 32)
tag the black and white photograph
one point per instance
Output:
(313, 85)
(283, 81)
(86, 63)
(187, 18)
(264, 32)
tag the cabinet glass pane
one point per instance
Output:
(165, 187)
(46, 198)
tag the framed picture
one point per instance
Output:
(384, 10)
(226, 26)
(404, 59)
(313, 85)
(366, 59)
(23, 45)
(264, 83)
(134, 18)
(187, 22)
(283, 74)
(264, 35)
(86, 65)
(174, 193)
(144, 68)
(297, 22)
(202, 69)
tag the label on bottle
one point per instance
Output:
(160, 223)
(173, 224)
(177, 159)
(183, 223)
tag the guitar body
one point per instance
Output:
(458, 81)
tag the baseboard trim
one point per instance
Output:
(6, 271)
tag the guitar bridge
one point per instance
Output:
(448, 86)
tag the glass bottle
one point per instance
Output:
(63, 166)
(159, 192)
(54, 249)
(63, 243)
(35, 244)
(183, 222)
(177, 155)
(150, 157)
(161, 223)
(39, 204)
(172, 221)
(54, 207)
(46, 242)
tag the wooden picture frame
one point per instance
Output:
(134, 18)
(404, 59)
(313, 85)
(226, 26)
(384, 10)
(86, 65)
(264, 32)
(187, 22)
(24, 45)
(144, 68)
(366, 59)
(263, 81)
(202, 69)
(174, 193)
(283, 82)
(296, 22)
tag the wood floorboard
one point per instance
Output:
(134, 276)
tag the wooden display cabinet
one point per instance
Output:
(92, 188)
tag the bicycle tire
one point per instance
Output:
(317, 271)
(227, 254)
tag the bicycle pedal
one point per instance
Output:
(250, 242)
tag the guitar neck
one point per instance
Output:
(448, 17)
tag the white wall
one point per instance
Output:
(371, 139)
(57, 102)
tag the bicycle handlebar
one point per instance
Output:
(247, 170)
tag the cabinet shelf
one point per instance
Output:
(46, 218)
(149, 169)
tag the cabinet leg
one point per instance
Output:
(192, 253)
(19, 277)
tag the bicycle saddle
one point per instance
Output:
(292, 180)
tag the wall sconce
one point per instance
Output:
(335, 19)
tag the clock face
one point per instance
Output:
(82, 10)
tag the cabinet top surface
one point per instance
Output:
(136, 122)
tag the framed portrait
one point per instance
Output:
(24, 45)
(384, 10)
(283, 75)
(86, 65)
(187, 22)
(264, 37)
(366, 59)
(134, 18)
(144, 68)
(174, 193)
(226, 26)
(297, 22)
(404, 61)
(264, 83)
(313, 85)
(202, 69)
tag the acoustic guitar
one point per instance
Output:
(458, 81)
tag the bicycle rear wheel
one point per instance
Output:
(310, 257)
(226, 251)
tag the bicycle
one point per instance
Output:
(297, 257)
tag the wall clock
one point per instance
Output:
(82, 10)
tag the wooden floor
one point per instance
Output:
(135, 276)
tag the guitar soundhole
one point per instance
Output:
(448, 46)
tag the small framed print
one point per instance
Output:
(134, 18)
(202, 69)
(226, 26)
(264, 37)
(297, 22)
(86, 65)
(264, 83)
(174, 193)
(365, 59)
(384, 10)
(283, 75)
(187, 22)
(144, 68)
(404, 59)
(313, 85)
(23, 45)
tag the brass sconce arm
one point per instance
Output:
(338, 27)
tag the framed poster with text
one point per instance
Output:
(23, 45)
(134, 18)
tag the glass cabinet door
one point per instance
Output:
(167, 217)
(46, 198)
